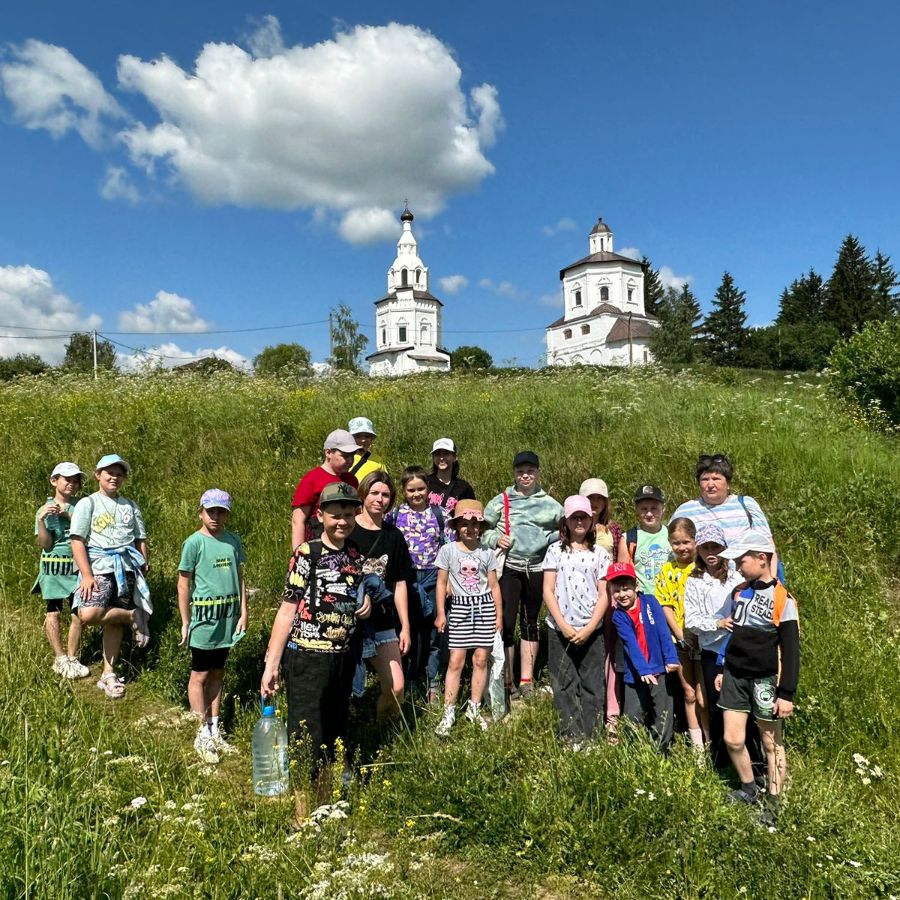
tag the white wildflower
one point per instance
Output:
(854, 863)
(93, 749)
(651, 796)
(639, 792)
(860, 760)
(810, 838)
(138, 802)
(170, 804)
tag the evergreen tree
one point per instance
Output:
(887, 299)
(850, 293)
(80, 354)
(803, 303)
(653, 288)
(724, 329)
(676, 339)
(347, 341)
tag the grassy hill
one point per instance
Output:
(510, 811)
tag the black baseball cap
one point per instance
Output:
(649, 492)
(526, 458)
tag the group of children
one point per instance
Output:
(636, 620)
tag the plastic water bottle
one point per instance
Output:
(270, 752)
(51, 521)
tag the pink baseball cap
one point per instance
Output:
(576, 504)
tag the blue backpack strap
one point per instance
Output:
(747, 512)
(438, 513)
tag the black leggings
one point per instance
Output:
(522, 595)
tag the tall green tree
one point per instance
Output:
(21, 364)
(850, 292)
(468, 359)
(725, 328)
(677, 338)
(887, 299)
(803, 303)
(348, 342)
(286, 360)
(80, 354)
(653, 288)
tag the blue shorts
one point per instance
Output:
(372, 643)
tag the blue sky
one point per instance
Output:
(143, 194)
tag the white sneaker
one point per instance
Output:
(473, 714)
(77, 669)
(60, 665)
(446, 722)
(221, 745)
(205, 747)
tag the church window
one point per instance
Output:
(401, 333)
(404, 278)
(567, 333)
(604, 294)
(423, 331)
(384, 335)
(631, 295)
(646, 356)
(578, 298)
(418, 276)
(585, 329)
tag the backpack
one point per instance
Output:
(315, 554)
(438, 512)
(631, 542)
(363, 459)
(749, 515)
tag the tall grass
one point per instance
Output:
(511, 810)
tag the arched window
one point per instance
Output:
(418, 276)
(604, 294)
(578, 298)
(404, 278)
(384, 336)
(631, 295)
(567, 333)
(424, 333)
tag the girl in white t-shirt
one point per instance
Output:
(575, 594)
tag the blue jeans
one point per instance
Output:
(428, 655)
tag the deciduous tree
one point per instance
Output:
(286, 360)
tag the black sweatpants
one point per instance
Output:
(522, 595)
(579, 688)
(651, 705)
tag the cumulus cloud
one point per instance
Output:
(453, 284)
(170, 355)
(501, 288)
(632, 252)
(117, 185)
(166, 312)
(350, 125)
(553, 299)
(28, 298)
(669, 279)
(49, 88)
(564, 224)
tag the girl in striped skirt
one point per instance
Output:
(469, 606)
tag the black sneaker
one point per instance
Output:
(741, 796)
(771, 807)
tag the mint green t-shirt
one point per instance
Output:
(107, 523)
(214, 564)
(651, 553)
(57, 576)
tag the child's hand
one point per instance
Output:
(727, 623)
(783, 708)
(241, 626)
(498, 625)
(185, 627)
(366, 609)
(718, 682)
(505, 542)
(50, 509)
(405, 642)
(690, 695)
(673, 667)
(568, 632)
(581, 636)
(649, 679)
(440, 622)
(269, 684)
(87, 587)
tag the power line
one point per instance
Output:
(68, 331)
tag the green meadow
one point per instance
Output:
(102, 799)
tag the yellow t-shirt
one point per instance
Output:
(370, 465)
(670, 587)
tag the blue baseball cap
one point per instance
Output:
(112, 459)
(215, 498)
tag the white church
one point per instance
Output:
(604, 321)
(409, 319)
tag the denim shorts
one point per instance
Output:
(371, 644)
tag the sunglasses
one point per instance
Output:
(705, 459)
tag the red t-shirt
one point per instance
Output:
(310, 488)
(635, 615)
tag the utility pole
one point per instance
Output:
(330, 337)
(94, 346)
(630, 349)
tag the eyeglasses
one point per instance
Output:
(705, 459)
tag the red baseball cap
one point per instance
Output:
(620, 570)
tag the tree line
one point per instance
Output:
(813, 315)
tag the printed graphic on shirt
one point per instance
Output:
(651, 553)
(468, 574)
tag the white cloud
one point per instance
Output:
(501, 288)
(669, 279)
(351, 125)
(552, 299)
(50, 89)
(632, 252)
(170, 355)
(564, 224)
(453, 284)
(265, 40)
(28, 298)
(117, 185)
(168, 313)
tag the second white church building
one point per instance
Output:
(604, 321)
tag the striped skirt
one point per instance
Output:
(471, 622)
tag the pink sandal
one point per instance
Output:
(112, 685)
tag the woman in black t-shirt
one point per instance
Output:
(387, 556)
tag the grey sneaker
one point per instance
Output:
(473, 714)
(446, 722)
(205, 747)
(61, 666)
(741, 796)
(77, 669)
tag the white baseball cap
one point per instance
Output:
(67, 470)
(444, 444)
(594, 486)
(361, 425)
(341, 440)
(752, 541)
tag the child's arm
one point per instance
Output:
(440, 600)
(44, 538)
(184, 605)
(242, 621)
(565, 629)
(298, 524)
(494, 585)
(633, 651)
(584, 633)
(674, 627)
(83, 563)
(281, 629)
(141, 546)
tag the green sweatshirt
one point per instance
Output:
(533, 523)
